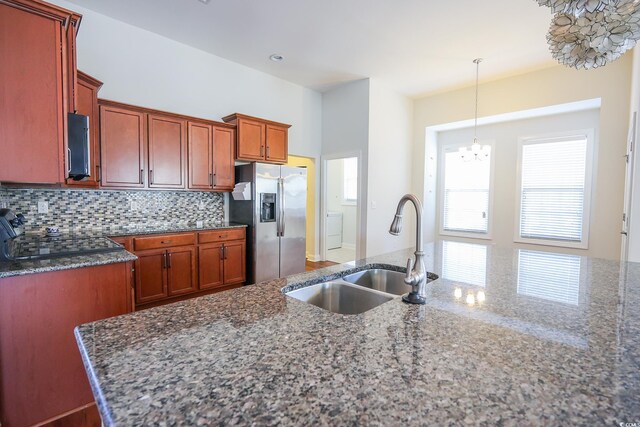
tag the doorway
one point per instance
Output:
(341, 205)
(312, 252)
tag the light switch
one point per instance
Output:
(374, 204)
(134, 205)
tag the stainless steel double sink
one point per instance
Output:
(354, 293)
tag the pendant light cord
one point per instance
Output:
(475, 123)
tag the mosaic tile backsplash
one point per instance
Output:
(78, 210)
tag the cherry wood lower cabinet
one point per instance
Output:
(171, 267)
(41, 373)
(222, 264)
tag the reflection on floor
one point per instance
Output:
(341, 255)
(310, 266)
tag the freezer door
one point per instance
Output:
(266, 250)
(292, 224)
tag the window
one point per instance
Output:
(554, 188)
(464, 196)
(350, 193)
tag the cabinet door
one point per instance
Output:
(87, 104)
(200, 146)
(122, 141)
(251, 140)
(181, 271)
(167, 150)
(223, 159)
(210, 265)
(32, 108)
(151, 276)
(234, 262)
(277, 144)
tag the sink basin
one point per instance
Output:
(391, 282)
(341, 297)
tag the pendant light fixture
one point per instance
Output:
(476, 151)
(586, 34)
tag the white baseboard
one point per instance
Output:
(313, 257)
(349, 246)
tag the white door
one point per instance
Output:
(628, 189)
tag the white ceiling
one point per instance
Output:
(416, 46)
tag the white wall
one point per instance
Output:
(551, 86)
(345, 131)
(390, 153)
(505, 156)
(634, 229)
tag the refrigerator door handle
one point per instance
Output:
(279, 207)
(283, 207)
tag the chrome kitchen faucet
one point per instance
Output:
(416, 272)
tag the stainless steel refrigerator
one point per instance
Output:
(276, 216)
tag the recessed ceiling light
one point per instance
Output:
(276, 58)
(204, 1)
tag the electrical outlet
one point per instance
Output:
(202, 204)
(43, 207)
(134, 205)
(374, 204)
(3, 204)
(199, 224)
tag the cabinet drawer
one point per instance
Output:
(221, 235)
(164, 241)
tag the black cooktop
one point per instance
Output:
(35, 247)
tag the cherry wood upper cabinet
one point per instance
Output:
(223, 158)
(200, 147)
(277, 144)
(211, 157)
(122, 141)
(259, 139)
(37, 78)
(87, 104)
(167, 151)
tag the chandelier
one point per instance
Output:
(476, 151)
(587, 34)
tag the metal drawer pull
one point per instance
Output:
(169, 259)
(165, 242)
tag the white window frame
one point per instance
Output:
(454, 147)
(588, 187)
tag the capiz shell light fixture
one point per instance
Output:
(587, 34)
(476, 151)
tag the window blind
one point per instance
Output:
(553, 277)
(466, 194)
(553, 190)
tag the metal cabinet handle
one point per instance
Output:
(169, 259)
(222, 252)
(164, 260)
(268, 152)
(141, 176)
(69, 161)
(210, 180)
(261, 150)
(150, 176)
(165, 242)
(98, 177)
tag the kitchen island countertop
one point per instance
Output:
(508, 337)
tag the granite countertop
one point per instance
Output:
(508, 337)
(22, 267)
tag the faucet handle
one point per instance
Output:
(409, 268)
